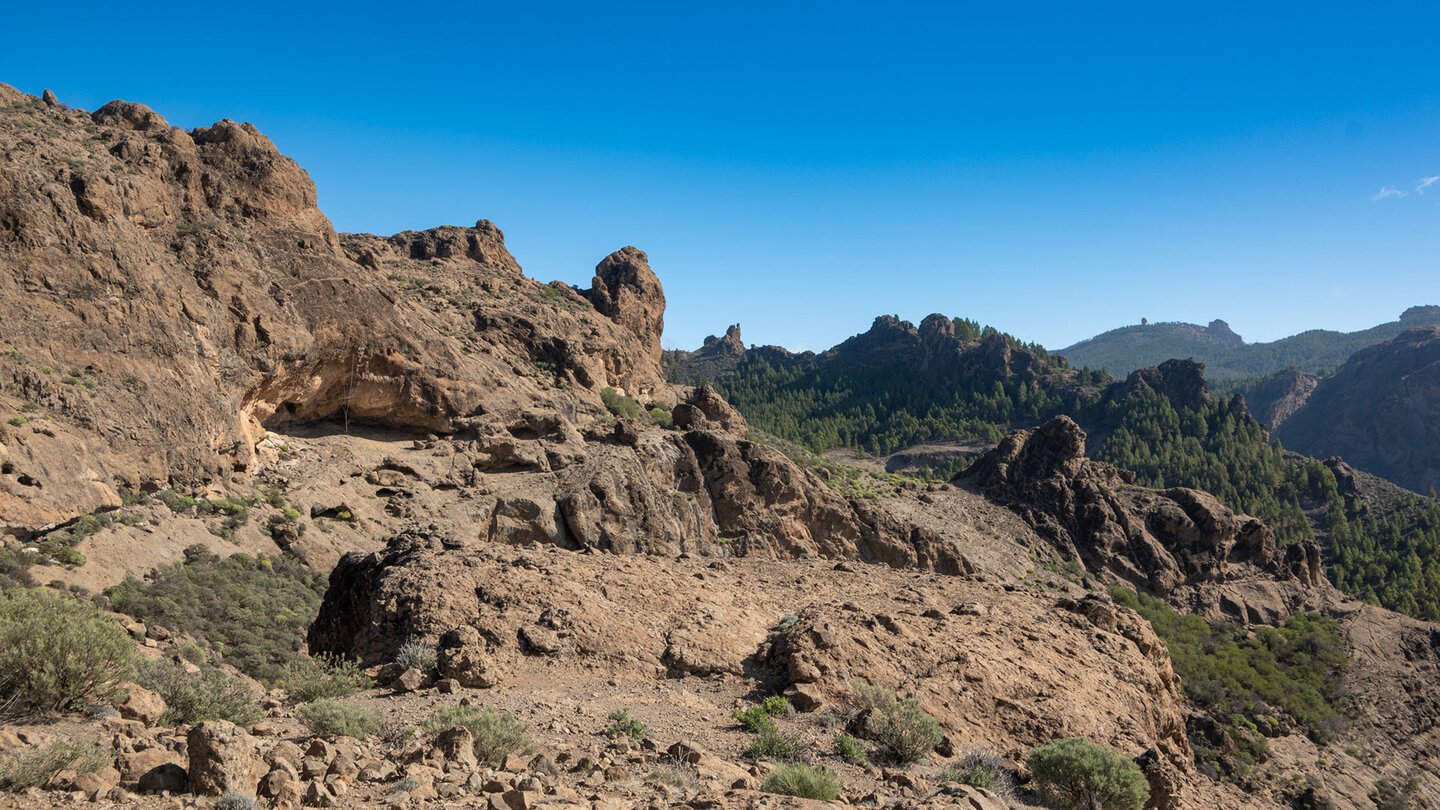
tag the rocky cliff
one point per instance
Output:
(1378, 411)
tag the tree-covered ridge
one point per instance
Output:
(894, 387)
(1217, 449)
(874, 394)
(1388, 560)
(1123, 350)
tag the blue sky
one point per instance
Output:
(1052, 169)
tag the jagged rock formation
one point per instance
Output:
(1378, 411)
(1180, 381)
(1178, 543)
(1278, 397)
(181, 290)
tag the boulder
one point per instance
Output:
(464, 658)
(143, 705)
(222, 760)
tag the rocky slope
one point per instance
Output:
(1131, 347)
(1378, 411)
(180, 315)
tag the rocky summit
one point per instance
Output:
(349, 520)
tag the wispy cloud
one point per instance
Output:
(1424, 183)
(1387, 191)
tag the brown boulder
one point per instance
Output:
(130, 116)
(464, 657)
(143, 705)
(222, 760)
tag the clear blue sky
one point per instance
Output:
(1053, 169)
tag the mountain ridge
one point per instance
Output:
(1225, 354)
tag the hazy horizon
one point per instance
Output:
(1052, 171)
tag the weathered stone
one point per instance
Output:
(222, 760)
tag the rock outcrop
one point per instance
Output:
(1180, 381)
(182, 290)
(1280, 396)
(1378, 411)
(1178, 543)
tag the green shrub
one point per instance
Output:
(1242, 678)
(618, 404)
(254, 610)
(57, 652)
(661, 416)
(623, 725)
(773, 745)
(804, 781)
(777, 706)
(323, 675)
(416, 654)
(15, 569)
(18, 421)
(209, 694)
(179, 504)
(755, 720)
(903, 733)
(497, 733)
(34, 767)
(334, 718)
(849, 749)
(1080, 775)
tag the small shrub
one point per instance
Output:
(334, 718)
(903, 733)
(98, 711)
(804, 781)
(773, 745)
(57, 652)
(623, 725)
(209, 694)
(14, 569)
(323, 675)
(34, 767)
(777, 706)
(18, 421)
(1080, 775)
(849, 749)
(619, 404)
(674, 775)
(662, 417)
(194, 653)
(235, 801)
(497, 733)
(982, 770)
(179, 504)
(755, 720)
(417, 654)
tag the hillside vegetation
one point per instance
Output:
(1226, 355)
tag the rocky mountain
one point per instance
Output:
(1378, 411)
(890, 387)
(1226, 354)
(521, 520)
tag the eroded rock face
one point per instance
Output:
(1378, 411)
(1160, 540)
(192, 285)
(626, 290)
